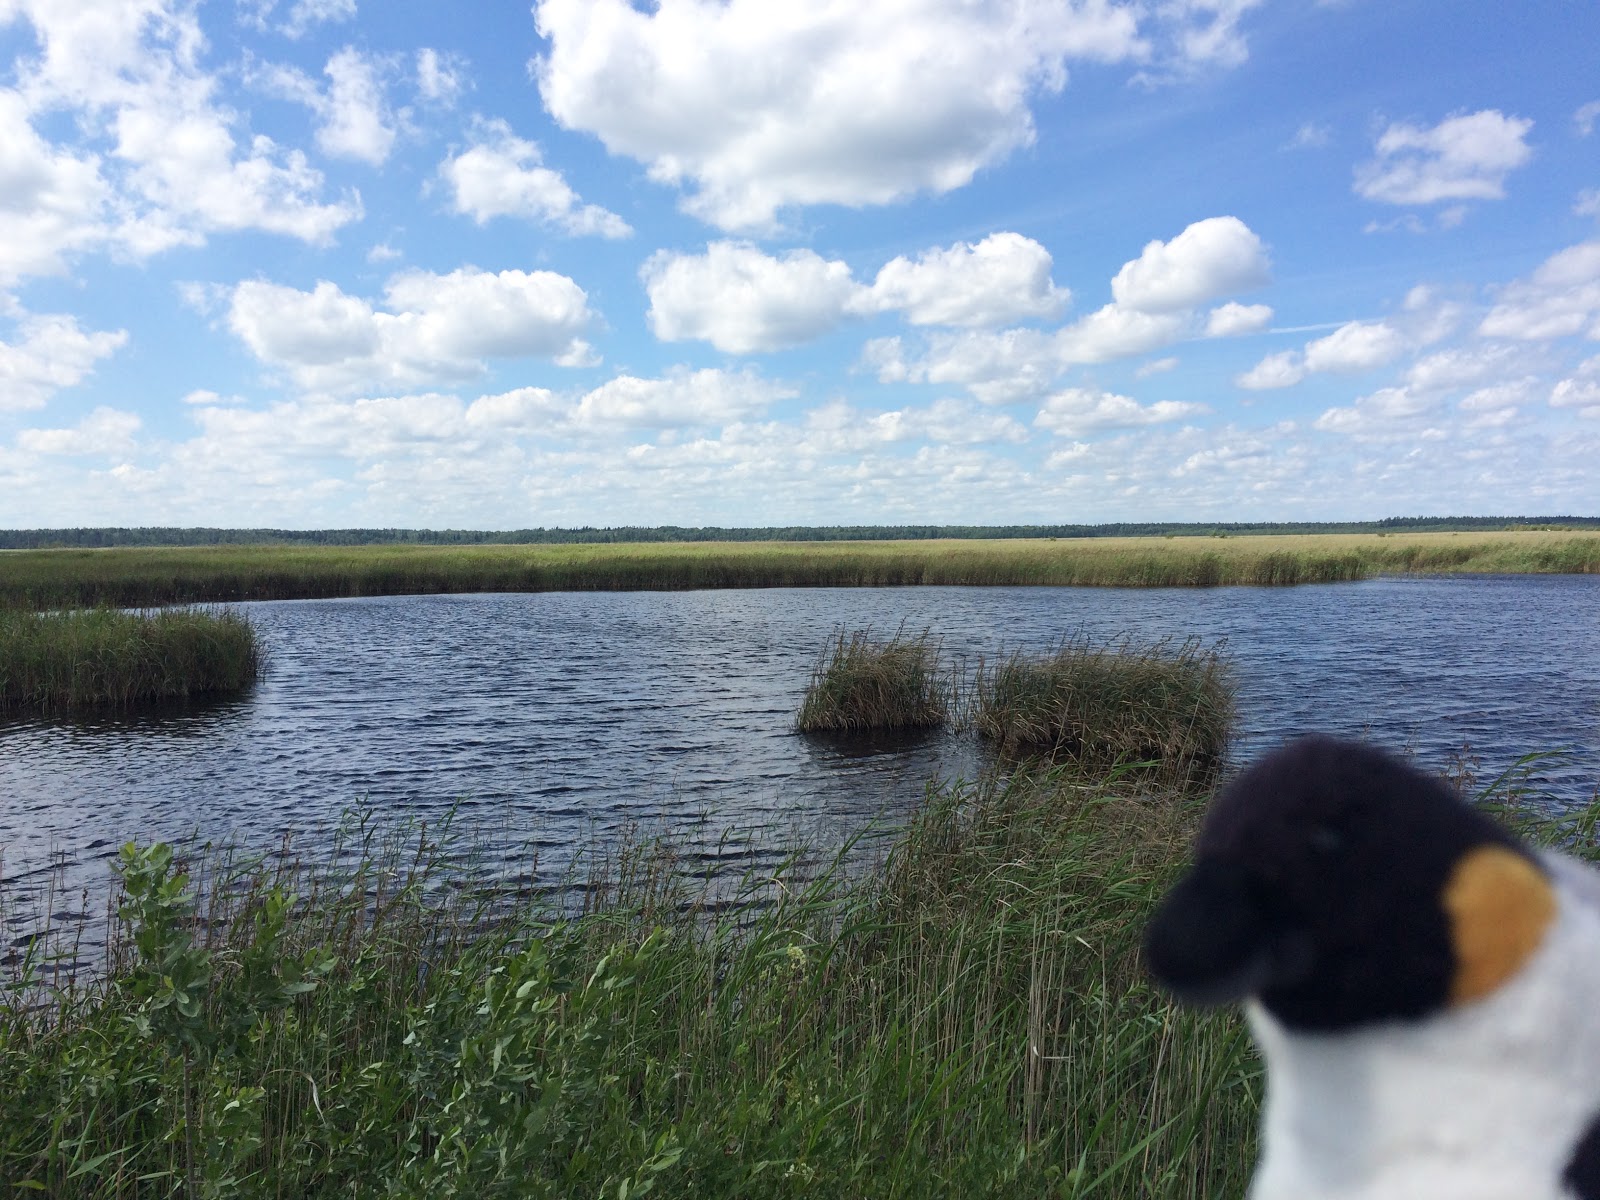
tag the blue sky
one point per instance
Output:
(318, 263)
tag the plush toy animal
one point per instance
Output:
(1424, 988)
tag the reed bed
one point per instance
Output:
(139, 576)
(1169, 704)
(862, 682)
(51, 662)
(966, 1019)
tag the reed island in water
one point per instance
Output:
(51, 662)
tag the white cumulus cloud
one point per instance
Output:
(1209, 259)
(684, 399)
(1582, 394)
(354, 119)
(439, 76)
(1497, 397)
(1155, 303)
(51, 353)
(1156, 367)
(1464, 157)
(996, 366)
(1283, 369)
(951, 423)
(837, 428)
(1005, 277)
(524, 411)
(1208, 30)
(755, 107)
(1078, 412)
(1355, 346)
(1114, 332)
(1234, 319)
(103, 431)
(1496, 405)
(1583, 120)
(501, 175)
(1463, 366)
(302, 17)
(53, 202)
(431, 327)
(1388, 411)
(1560, 299)
(181, 164)
(743, 301)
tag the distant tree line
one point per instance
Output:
(34, 539)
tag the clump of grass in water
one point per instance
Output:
(1118, 703)
(864, 683)
(51, 662)
(968, 1019)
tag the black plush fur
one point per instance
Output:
(1317, 888)
(1583, 1168)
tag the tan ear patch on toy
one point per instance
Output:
(1499, 904)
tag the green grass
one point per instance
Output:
(51, 662)
(1170, 704)
(862, 682)
(131, 577)
(968, 1019)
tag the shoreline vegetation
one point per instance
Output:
(966, 1018)
(84, 537)
(99, 658)
(131, 577)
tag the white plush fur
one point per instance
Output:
(1485, 1101)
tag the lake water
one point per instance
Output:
(557, 717)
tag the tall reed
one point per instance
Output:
(130, 577)
(1122, 702)
(99, 657)
(861, 682)
(968, 1019)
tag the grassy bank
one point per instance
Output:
(143, 576)
(967, 1020)
(50, 662)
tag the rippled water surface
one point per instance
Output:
(557, 716)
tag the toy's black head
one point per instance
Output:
(1341, 886)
